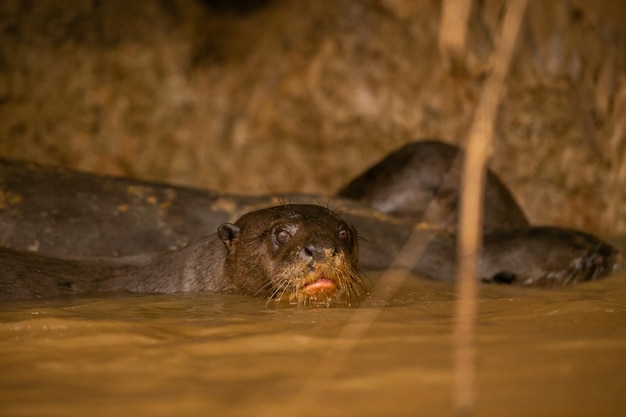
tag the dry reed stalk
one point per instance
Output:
(453, 30)
(617, 148)
(470, 220)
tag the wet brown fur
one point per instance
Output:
(242, 258)
(287, 267)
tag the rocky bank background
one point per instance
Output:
(270, 96)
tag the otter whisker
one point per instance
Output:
(261, 288)
(282, 289)
(359, 287)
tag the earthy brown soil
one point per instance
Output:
(290, 95)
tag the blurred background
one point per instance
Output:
(270, 96)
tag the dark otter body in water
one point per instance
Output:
(545, 257)
(305, 254)
(62, 212)
(302, 254)
(420, 182)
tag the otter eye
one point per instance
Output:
(281, 236)
(343, 234)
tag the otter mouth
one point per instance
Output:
(318, 289)
(320, 286)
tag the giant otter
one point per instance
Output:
(306, 255)
(302, 254)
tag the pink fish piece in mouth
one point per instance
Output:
(321, 285)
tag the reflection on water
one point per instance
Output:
(557, 353)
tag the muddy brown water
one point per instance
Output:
(539, 352)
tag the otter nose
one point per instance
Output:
(319, 251)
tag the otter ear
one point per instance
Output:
(229, 234)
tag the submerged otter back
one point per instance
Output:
(420, 182)
(197, 267)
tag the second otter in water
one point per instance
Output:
(61, 212)
(302, 254)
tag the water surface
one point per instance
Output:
(540, 352)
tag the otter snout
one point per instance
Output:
(319, 251)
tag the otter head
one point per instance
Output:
(302, 254)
